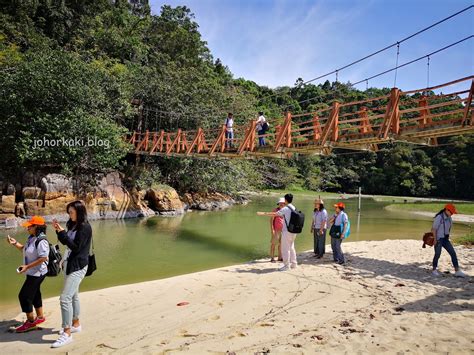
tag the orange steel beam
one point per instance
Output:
(157, 141)
(184, 141)
(143, 142)
(133, 138)
(220, 139)
(168, 141)
(392, 115)
(249, 135)
(468, 106)
(424, 112)
(329, 127)
(194, 142)
(365, 126)
(317, 131)
(170, 147)
(284, 132)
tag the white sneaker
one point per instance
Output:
(284, 268)
(73, 330)
(436, 273)
(64, 339)
(459, 273)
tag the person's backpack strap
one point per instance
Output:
(285, 216)
(39, 239)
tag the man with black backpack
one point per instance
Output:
(293, 224)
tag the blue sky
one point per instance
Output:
(273, 42)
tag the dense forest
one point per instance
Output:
(77, 68)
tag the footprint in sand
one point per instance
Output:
(216, 317)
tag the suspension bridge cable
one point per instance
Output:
(390, 46)
(366, 80)
(414, 60)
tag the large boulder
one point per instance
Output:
(9, 189)
(57, 185)
(207, 201)
(32, 192)
(164, 200)
(110, 199)
(7, 204)
(8, 220)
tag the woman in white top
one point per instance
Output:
(319, 228)
(260, 129)
(229, 131)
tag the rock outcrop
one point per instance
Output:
(207, 201)
(105, 196)
(164, 200)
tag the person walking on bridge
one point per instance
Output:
(262, 127)
(229, 131)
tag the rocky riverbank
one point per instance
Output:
(107, 196)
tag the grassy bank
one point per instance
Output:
(462, 208)
(467, 240)
(297, 191)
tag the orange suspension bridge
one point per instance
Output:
(401, 116)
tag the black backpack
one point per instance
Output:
(265, 126)
(296, 221)
(54, 257)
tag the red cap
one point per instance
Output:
(450, 207)
(340, 205)
(34, 221)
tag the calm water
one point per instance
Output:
(139, 250)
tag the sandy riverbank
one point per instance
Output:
(385, 299)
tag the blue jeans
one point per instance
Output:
(337, 253)
(446, 244)
(69, 299)
(261, 140)
(229, 136)
(319, 242)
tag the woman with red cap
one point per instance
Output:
(35, 267)
(441, 228)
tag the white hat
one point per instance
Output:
(281, 200)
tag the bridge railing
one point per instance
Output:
(410, 115)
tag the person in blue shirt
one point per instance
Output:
(441, 229)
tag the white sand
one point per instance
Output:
(385, 299)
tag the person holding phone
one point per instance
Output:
(77, 240)
(35, 267)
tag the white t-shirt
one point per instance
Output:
(32, 253)
(261, 120)
(229, 122)
(285, 212)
